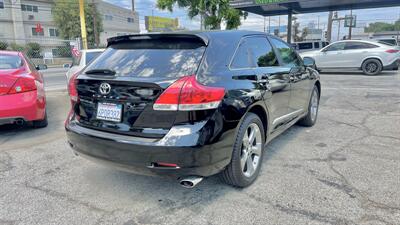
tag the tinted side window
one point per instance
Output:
(358, 45)
(254, 52)
(316, 44)
(307, 45)
(288, 55)
(336, 47)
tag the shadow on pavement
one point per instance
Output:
(384, 73)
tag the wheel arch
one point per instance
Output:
(318, 84)
(262, 113)
(371, 57)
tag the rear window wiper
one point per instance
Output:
(106, 72)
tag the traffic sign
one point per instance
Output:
(348, 20)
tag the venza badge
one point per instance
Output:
(105, 88)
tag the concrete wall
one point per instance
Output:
(119, 24)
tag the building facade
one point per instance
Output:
(19, 19)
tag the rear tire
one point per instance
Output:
(311, 118)
(372, 67)
(41, 123)
(247, 153)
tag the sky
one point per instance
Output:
(256, 22)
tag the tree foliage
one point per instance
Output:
(214, 12)
(382, 26)
(66, 17)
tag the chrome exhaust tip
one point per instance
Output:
(190, 182)
(19, 122)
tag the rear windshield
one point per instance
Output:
(390, 42)
(90, 56)
(170, 58)
(10, 62)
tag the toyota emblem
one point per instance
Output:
(105, 88)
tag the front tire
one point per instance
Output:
(372, 67)
(247, 153)
(311, 117)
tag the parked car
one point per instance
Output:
(85, 57)
(22, 95)
(174, 104)
(389, 41)
(370, 57)
(305, 46)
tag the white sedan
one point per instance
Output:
(370, 57)
(85, 57)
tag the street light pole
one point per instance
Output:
(351, 24)
(83, 24)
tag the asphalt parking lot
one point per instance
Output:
(344, 170)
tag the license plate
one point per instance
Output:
(109, 112)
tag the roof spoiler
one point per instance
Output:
(150, 36)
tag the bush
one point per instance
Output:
(33, 50)
(3, 45)
(17, 47)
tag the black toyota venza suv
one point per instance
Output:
(190, 105)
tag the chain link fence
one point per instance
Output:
(51, 52)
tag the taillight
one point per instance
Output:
(73, 92)
(392, 51)
(186, 94)
(23, 84)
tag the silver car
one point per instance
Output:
(370, 57)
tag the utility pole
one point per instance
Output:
(351, 24)
(96, 36)
(83, 23)
(338, 31)
(201, 21)
(264, 24)
(289, 28)
(269, 24)
(329, 30)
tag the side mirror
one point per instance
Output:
(66, 65)
(309, 62)
(41, 67)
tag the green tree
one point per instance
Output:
(213, 11)
(66, 17)
(382, 26)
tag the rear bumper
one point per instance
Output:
(181, 146)
(28, 106)
(393, 66)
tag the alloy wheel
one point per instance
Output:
(251, 150)
(371, 67)
(314, 105)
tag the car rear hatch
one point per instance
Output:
(118, 89)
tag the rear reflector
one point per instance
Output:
(392, 51)
(23, 84)
(73, 92)
(186, 94)
(163, 164)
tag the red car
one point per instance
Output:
(22, 96)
